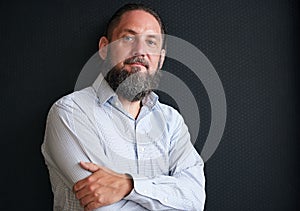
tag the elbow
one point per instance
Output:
(198, 201)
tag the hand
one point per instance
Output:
(103, 187)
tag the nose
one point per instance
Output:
(138, 48)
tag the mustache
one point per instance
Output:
(137, 59)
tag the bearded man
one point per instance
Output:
(113, 145)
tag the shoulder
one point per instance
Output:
(167, 109)
(73, 111)
(175, 124)
(78, 100)
(171, 115)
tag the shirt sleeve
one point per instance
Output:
(183, 188)
(70, 137)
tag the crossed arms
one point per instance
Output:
(75, 154)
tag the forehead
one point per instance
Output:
(138, 21)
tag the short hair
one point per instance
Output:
(115, 19)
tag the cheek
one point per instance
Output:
(118, 56)
(154, 60)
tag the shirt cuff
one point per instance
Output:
(144, 189)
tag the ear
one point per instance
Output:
(103, 43)
(162, 58)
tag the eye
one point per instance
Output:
(128, 38)
(151, 43)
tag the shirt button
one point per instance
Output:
(143, 149)
(166, 200)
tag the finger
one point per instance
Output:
(95, 199)
(93, 178)
(83, 193)
(81, 184)
(88, 199)
(89, 166)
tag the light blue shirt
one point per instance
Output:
(155, 149)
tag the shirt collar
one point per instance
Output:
(105, 92)
(150, 100)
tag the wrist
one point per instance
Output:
(128, 184)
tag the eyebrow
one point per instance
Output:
(134, 32)
(130, 31)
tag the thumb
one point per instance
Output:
(89, 166)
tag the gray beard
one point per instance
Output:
(134, 85)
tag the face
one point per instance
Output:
(135, 50)
(137, 35)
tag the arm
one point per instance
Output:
(71, 137)
(103, 187)
(182, 189)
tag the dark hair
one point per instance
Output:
(115, 19)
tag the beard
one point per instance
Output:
(133, 85)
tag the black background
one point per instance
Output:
(253, 46)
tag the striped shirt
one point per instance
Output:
(155, 149)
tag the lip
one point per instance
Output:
(137, 64)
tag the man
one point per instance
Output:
(114, 146)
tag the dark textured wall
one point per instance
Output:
(253, 46)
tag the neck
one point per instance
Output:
(131, 107)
